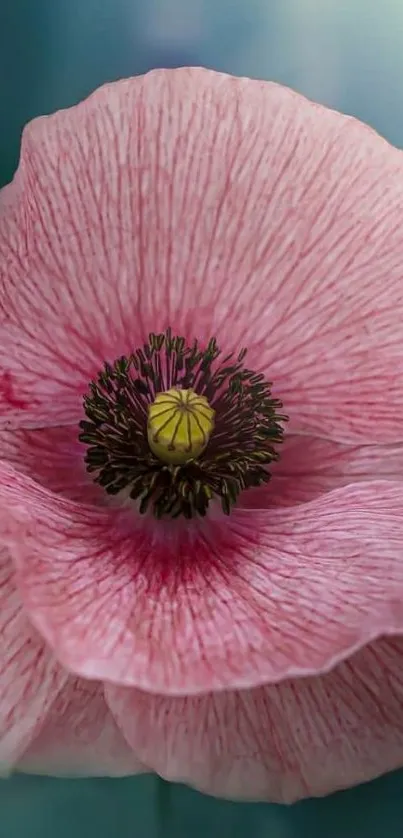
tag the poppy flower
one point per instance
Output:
(201, 426)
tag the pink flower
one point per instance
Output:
(256, 654)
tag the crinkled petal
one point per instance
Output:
(181, 610)
(300, 738)
(219, 206)
(309, 466)
(80, 737)
(30, 677)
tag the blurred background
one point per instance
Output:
(347, 54)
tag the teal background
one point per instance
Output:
(33, 807)
(54, 52)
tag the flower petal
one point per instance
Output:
(80, 737)
(186, 610)
(301, 738)
(309, 466)
(13, 244)
(53, 457)
(218, 205)
(30, 678)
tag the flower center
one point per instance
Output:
(174, 426)
(179, 425)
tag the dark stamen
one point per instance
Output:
(241, 447)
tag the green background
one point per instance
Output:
(54, 52)
(144, 807)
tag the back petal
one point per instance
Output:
(302, 738)
(80, 737)
(30, 677)
(219, 206)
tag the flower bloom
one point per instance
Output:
(165, 606)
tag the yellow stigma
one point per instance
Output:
(179, 425)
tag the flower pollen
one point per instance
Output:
(175, 426)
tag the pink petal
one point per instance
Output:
(13, 249)
(297, 739)
(310, 466)
(30, 678)
(53, 457)
(185, 610)
(80, 737)
(191, 197)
